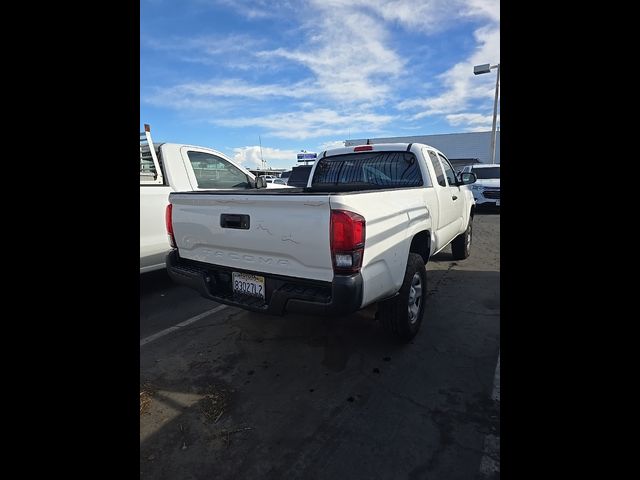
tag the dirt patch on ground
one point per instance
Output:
(215, 403)
(146, 393)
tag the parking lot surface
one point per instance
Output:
(233, 394)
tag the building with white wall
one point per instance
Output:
(460, 148)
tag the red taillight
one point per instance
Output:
(362, 148)
(169, 223)
(347, 241)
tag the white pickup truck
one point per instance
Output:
(168, 167)
(361, 232)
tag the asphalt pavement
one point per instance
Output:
(232, 394)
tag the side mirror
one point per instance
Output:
(261, 182)
(467, 178)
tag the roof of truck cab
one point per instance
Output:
(485, 165)
(377, 147)
(200, 147)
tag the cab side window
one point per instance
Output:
(427, 180)
(448, 171)
(437, 168)
(212, 171)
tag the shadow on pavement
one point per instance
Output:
(153, 281)
(487, 210)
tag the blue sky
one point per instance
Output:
(309, 74)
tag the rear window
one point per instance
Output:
(486, 173)
(299, 176)
(365, 171)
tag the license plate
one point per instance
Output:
(497, 203)
(247, 284)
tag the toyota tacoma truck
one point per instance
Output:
(360, 232)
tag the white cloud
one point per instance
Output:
(175, 98)
(253, 9)
(461, 86)
(346, 47)
(233, 51)
(206, 44)
(362, 41)
(331, 144)
(429, 15)
(309, 124)
(483, 8)
(250, 156)
(207, 91)
(425, 16)
(350, 63)
(238, 88)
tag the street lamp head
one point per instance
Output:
(486, 68)
(480, 69)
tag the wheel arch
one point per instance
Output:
(421, 244)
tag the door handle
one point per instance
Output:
(454, 197)
(228, 220)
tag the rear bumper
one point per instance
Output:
(283, 294)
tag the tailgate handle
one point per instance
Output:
(230, 220)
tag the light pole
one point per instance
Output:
(479, 70)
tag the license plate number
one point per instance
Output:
(247, 284)
(497, 203)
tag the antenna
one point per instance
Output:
(261, 158)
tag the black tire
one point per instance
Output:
(396, 315)
(461, 245)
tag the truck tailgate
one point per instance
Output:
(277, 234)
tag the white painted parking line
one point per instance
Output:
(490, 462)
(178, 326)
(495, 395)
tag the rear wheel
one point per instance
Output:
(402, 315)
(461, 245)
